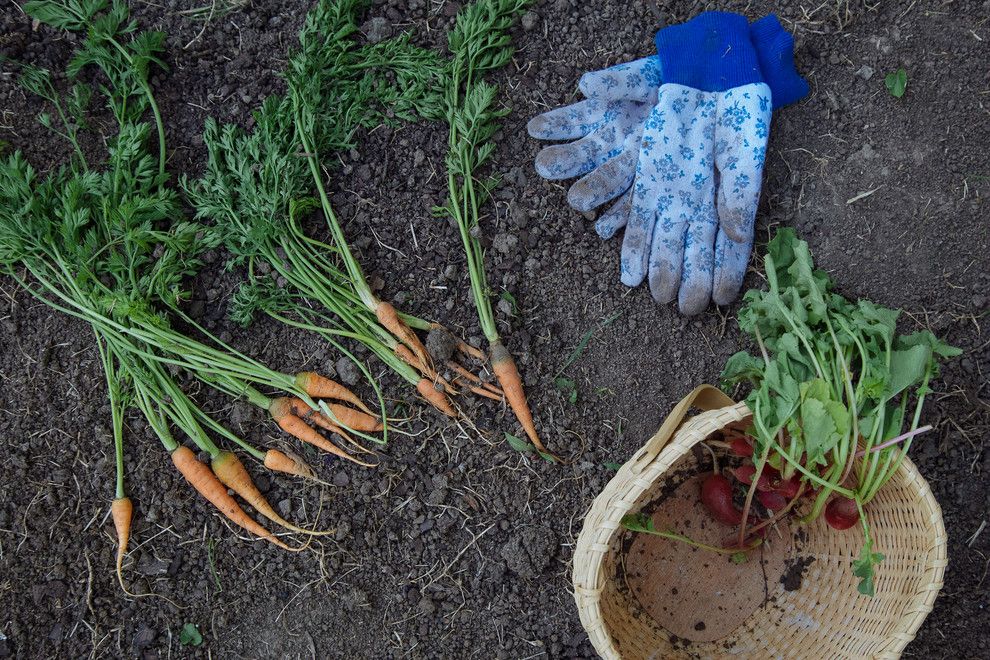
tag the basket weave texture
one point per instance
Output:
(825, 618)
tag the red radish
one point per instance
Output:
(716, 495)
(841, 513)
(788, 488)
(744, 473)
(772, 500)
(741, 447)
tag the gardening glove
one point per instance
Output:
(700, 165)
(608, 126)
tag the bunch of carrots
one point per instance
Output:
(257, 189)
(104, 241)
(106, 244)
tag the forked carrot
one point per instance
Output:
(437, 398)
(508, 377)
(206, 484)
(232, 473)
(390, 319)
(320, 387)
(281, 462)
(122, 511)
(288, 421)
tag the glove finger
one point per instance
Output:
(741, 134)
(699, 259)
(568, 122)
(564, 161)
(667, 255)
(604, 183)
(731, 261)
(631, 81)
(639, 234)
(616, 217)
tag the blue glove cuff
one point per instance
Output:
(711, 52)
(775, 51)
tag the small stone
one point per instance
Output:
(529, 21)
(865, 72)
(347, 371)
(376, 29)
(341, 479)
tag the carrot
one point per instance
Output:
(355, 419)
(436, 397)
(209, 486)
(280, 462)
(508, 377)
(301, 409)
(232, 473)
(122, 511)
(319, 387)
(462, 346)
(390, 319)
(281, 411)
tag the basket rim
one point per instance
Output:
(601, 526)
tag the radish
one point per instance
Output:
(841, 513)
(741, 447)
(716, 495)
(744, 473)
(788, 488)
(772, 500)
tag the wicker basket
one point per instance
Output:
(825, 618)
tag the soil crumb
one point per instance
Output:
(794, 572)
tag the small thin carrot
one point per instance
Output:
(389, 318)
(232, 473)
(281, 412)
(461, 371)
(508, 377)
(281, 462)
(209, 486)
(481, 391)
(122, 511)
(437, 398)
(320, 387)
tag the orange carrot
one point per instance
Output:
(280, 462)
(282, 412)
(206, 484)
(436, 397)
(390, 319)
(232, 473)
(355, 419)
(301, 409)
(122, 511)
(508, 377)
(320, 387)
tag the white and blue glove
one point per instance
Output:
(610, 127)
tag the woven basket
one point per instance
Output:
(825, 618)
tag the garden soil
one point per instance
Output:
(458, 545)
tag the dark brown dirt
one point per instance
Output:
(458, 546)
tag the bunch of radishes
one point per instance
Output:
(777, 494)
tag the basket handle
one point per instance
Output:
(705, 397)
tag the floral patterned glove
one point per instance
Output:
(607, 128)
(700, 165)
